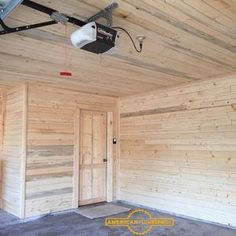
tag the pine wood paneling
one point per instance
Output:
(110, 159)
(2, 113)
(51, 143)
(12, 172)
(185, 41)
(93, 169)
(178, 150)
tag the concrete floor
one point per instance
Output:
(70, 223)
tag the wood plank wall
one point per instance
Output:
(2, 111)
(50, 145)
(178, 151)
(12, 152)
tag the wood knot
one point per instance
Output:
(233, 106)
(123, 16)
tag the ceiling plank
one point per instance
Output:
(186, 41)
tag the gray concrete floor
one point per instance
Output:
(70, 223)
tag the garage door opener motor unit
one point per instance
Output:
(95, 38)
(91, 36)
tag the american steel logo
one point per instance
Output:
(139, 222)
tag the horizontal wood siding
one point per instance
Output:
(12, 152)
(186, 40)
(178, 151)
(2, 111)
(50, 145)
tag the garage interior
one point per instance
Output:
(154, 129)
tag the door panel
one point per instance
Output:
(99, 176)
(86, 138)
(86, 190)
(92, 157)
(99, 138)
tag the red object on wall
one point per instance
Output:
(65, 73)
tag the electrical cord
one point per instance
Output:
(140, 44)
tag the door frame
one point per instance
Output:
(109, 152)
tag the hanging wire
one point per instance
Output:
(66, 73)
(66, 52)
(135, 47)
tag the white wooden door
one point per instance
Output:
(93, 160)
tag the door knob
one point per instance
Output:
(104, 160)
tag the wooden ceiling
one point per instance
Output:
(187, 40)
